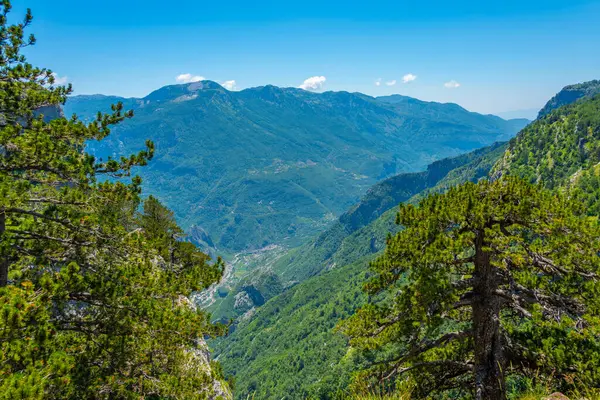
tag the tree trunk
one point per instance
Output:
(489, 358)
(3, 258)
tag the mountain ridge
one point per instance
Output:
(272, 165)
(212, 85)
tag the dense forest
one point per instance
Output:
(475, 278)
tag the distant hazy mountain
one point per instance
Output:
(529, 113)
(409, 106)
(275, 165)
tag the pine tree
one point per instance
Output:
(94, 298)
(486, 282)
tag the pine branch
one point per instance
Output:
(464, 283)
(461, 367)
(54, 201)
(547, 265)
(384, 325)
(426, 345)
(27, 235)
(514, 301)
(32, 167)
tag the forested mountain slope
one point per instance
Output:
(561, 150)
(246, 169)
(329, 249)
(293, 332)
(316, 255)
(289, 349)
(557, 147)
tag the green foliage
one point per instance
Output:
(93, 294)
(535, 394)
(31, 366)
(505, 251)
(273, 165)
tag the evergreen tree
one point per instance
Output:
(487, 282)
(94, 297)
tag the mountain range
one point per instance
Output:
(287, 290)
(273, 166)
(287, 347)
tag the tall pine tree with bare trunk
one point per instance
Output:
(487, 283)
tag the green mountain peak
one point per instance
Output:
(271, 165)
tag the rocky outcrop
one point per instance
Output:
(243, 302)
(556, 396)
(571, 94)
(199, 362)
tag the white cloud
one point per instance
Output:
(452, 84)
(391, 83)
(59, 80)
(313, 83)
(188, 78)
(408, 78)
(229, 85)
(378, 82)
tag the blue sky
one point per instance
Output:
(488, 56)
